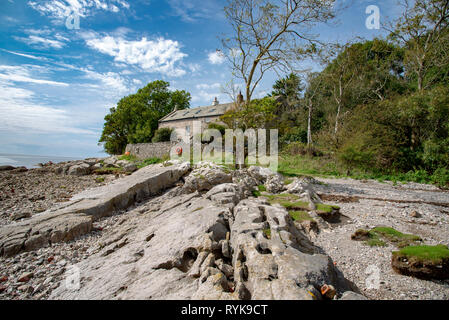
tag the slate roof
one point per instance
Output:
(199, 112)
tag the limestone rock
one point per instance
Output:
(79, 170)
(282, 267)
(350, 295)
(75, 217)
(205, 176)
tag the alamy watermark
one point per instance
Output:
(73, 21)
(373, 20)
(250, 147)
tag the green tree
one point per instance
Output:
(135, 118)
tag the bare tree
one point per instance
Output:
(313, 88)
(270, 35)
(421, 29)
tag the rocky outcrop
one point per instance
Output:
(75, 217)
(189, 246)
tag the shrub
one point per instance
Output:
(218, 127)
(162, 135)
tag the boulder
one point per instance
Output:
(6, 168)
(81, 169)
(205, 176)
(275, 183)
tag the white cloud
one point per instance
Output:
(160, 55)
(205, 86)
(216, 57)
(20, 114)
(61, 9)
(111, 82)
(23, 74)
(37, 41)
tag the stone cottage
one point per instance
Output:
(183, 119)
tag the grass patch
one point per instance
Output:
(262, 188)
(325, 166)
(256, 193)
(398, 238)
(108, 171)
(380, 235)
(300, 216)
(321, 207)
(288, 181)
(148, 162)
(99, 179)
(267, 233)
(425, 253)
(128, 158)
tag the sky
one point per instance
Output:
(59, 78)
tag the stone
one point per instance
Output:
(205, 176)
(75, 218)
(6, 168)
(415, 214)
(130, 167)
(79, 170)
(3, 288)
(350, 295)
(275, 183)
(282, 267)
(3, 279)
(25, 277)
(174, 260)
(21, 215)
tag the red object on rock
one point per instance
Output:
(4, 279)
(51, 259)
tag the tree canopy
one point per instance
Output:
(135, 118)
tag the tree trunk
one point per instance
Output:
(309, 126)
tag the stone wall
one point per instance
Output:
(150, 150)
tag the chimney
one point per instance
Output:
(215, 102)
(240, 98)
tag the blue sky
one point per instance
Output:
(58, 83)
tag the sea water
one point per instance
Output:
(30, 161)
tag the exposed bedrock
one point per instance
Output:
(204, 247)
(74, 218)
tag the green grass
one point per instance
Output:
(256, 193)
(148, 162)
(300, 216)
(262, 188)
(379, 235)
(267, 233)
(128, 158)
(304, 165)
(326, 208)
(99, 179)
(108, 170)
(288, 181)
(396, 237)
(425, 253)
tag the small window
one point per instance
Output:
(188, 129)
